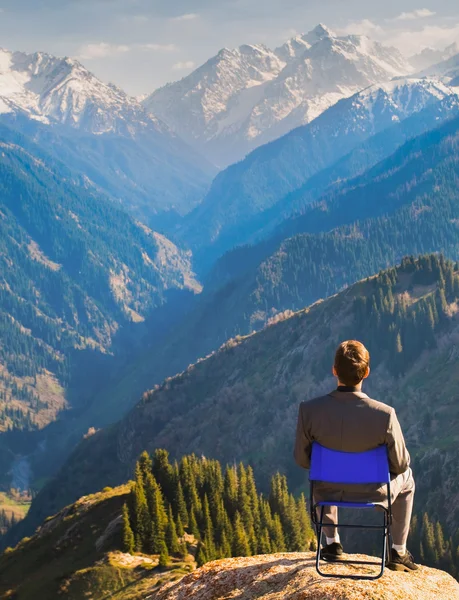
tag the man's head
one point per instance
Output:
(352, 363)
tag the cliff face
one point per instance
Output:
(293, 577)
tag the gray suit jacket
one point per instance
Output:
(350, 422)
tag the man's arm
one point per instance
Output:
(399, 457)
(303, 443)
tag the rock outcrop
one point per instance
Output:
(293, 577)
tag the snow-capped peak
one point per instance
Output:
(317, 34)
(248, 96)
(61, 90)
(405, 95)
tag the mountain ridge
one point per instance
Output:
(249, 390)
(100, 132)
(246, 97)
(260, 184)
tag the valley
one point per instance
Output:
(176, 271)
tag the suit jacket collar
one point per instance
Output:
(347, 395)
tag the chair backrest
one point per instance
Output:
(333, 466)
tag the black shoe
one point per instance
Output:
(401, 563)
(332, 552)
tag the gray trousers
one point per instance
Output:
(402, 496)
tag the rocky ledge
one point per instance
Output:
(293, 577)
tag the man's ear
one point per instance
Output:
(334, 371)
(367, 373)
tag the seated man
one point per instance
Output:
(348, 420)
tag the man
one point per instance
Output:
(348, 420)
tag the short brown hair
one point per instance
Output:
(352, 360)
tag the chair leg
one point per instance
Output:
(319, 539)
(386, 545)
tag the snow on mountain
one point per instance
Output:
(243, 98)
(101, 133)
(61, 90)
(429, 57)
(447, 69)
(250, 198)
(402, 97)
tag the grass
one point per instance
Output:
(14, 504)
(74, 556)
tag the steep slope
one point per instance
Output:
(78, 553)
(76, 276)
(100, 130)
(241, 402)
(407, 204)
(246, 97)
(247, 195)
(187, 512)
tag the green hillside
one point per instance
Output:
(241, 402)
(357, 228)
(365, 225)
(78, 277)
(126, 542)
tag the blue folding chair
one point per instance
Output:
(332, 466)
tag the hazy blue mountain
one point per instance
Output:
(407, 204)
(78, 277)
(242, 401)
(98, 130)
(249, 199)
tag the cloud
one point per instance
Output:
(186, 17)
(101, 50)
(432, 36)
(420, 13)
(160, 47)
(183, 65)
(363, 27)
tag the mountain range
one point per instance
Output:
(241, 402)
(247, 200)
(101, 133)
(126, 259)
(243, 98)
(350, 232)
(405, 204)
(78, 275)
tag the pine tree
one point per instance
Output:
(230, 491)
(208, 531)
(193, 526)
(428, 541)
(128, 535)
(163, 556)
(277, 536)
(307, 534)
(183, 550)
(145, 464)
(142, 521)
(224, 549)
(164, 473)
(240, 545)
(179, 504)
(265, 543)
(201, 557)
(179, 527)
(171, 533)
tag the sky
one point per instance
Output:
(141, 45)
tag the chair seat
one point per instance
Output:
(349, 504)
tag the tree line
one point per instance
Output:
(220, 510)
